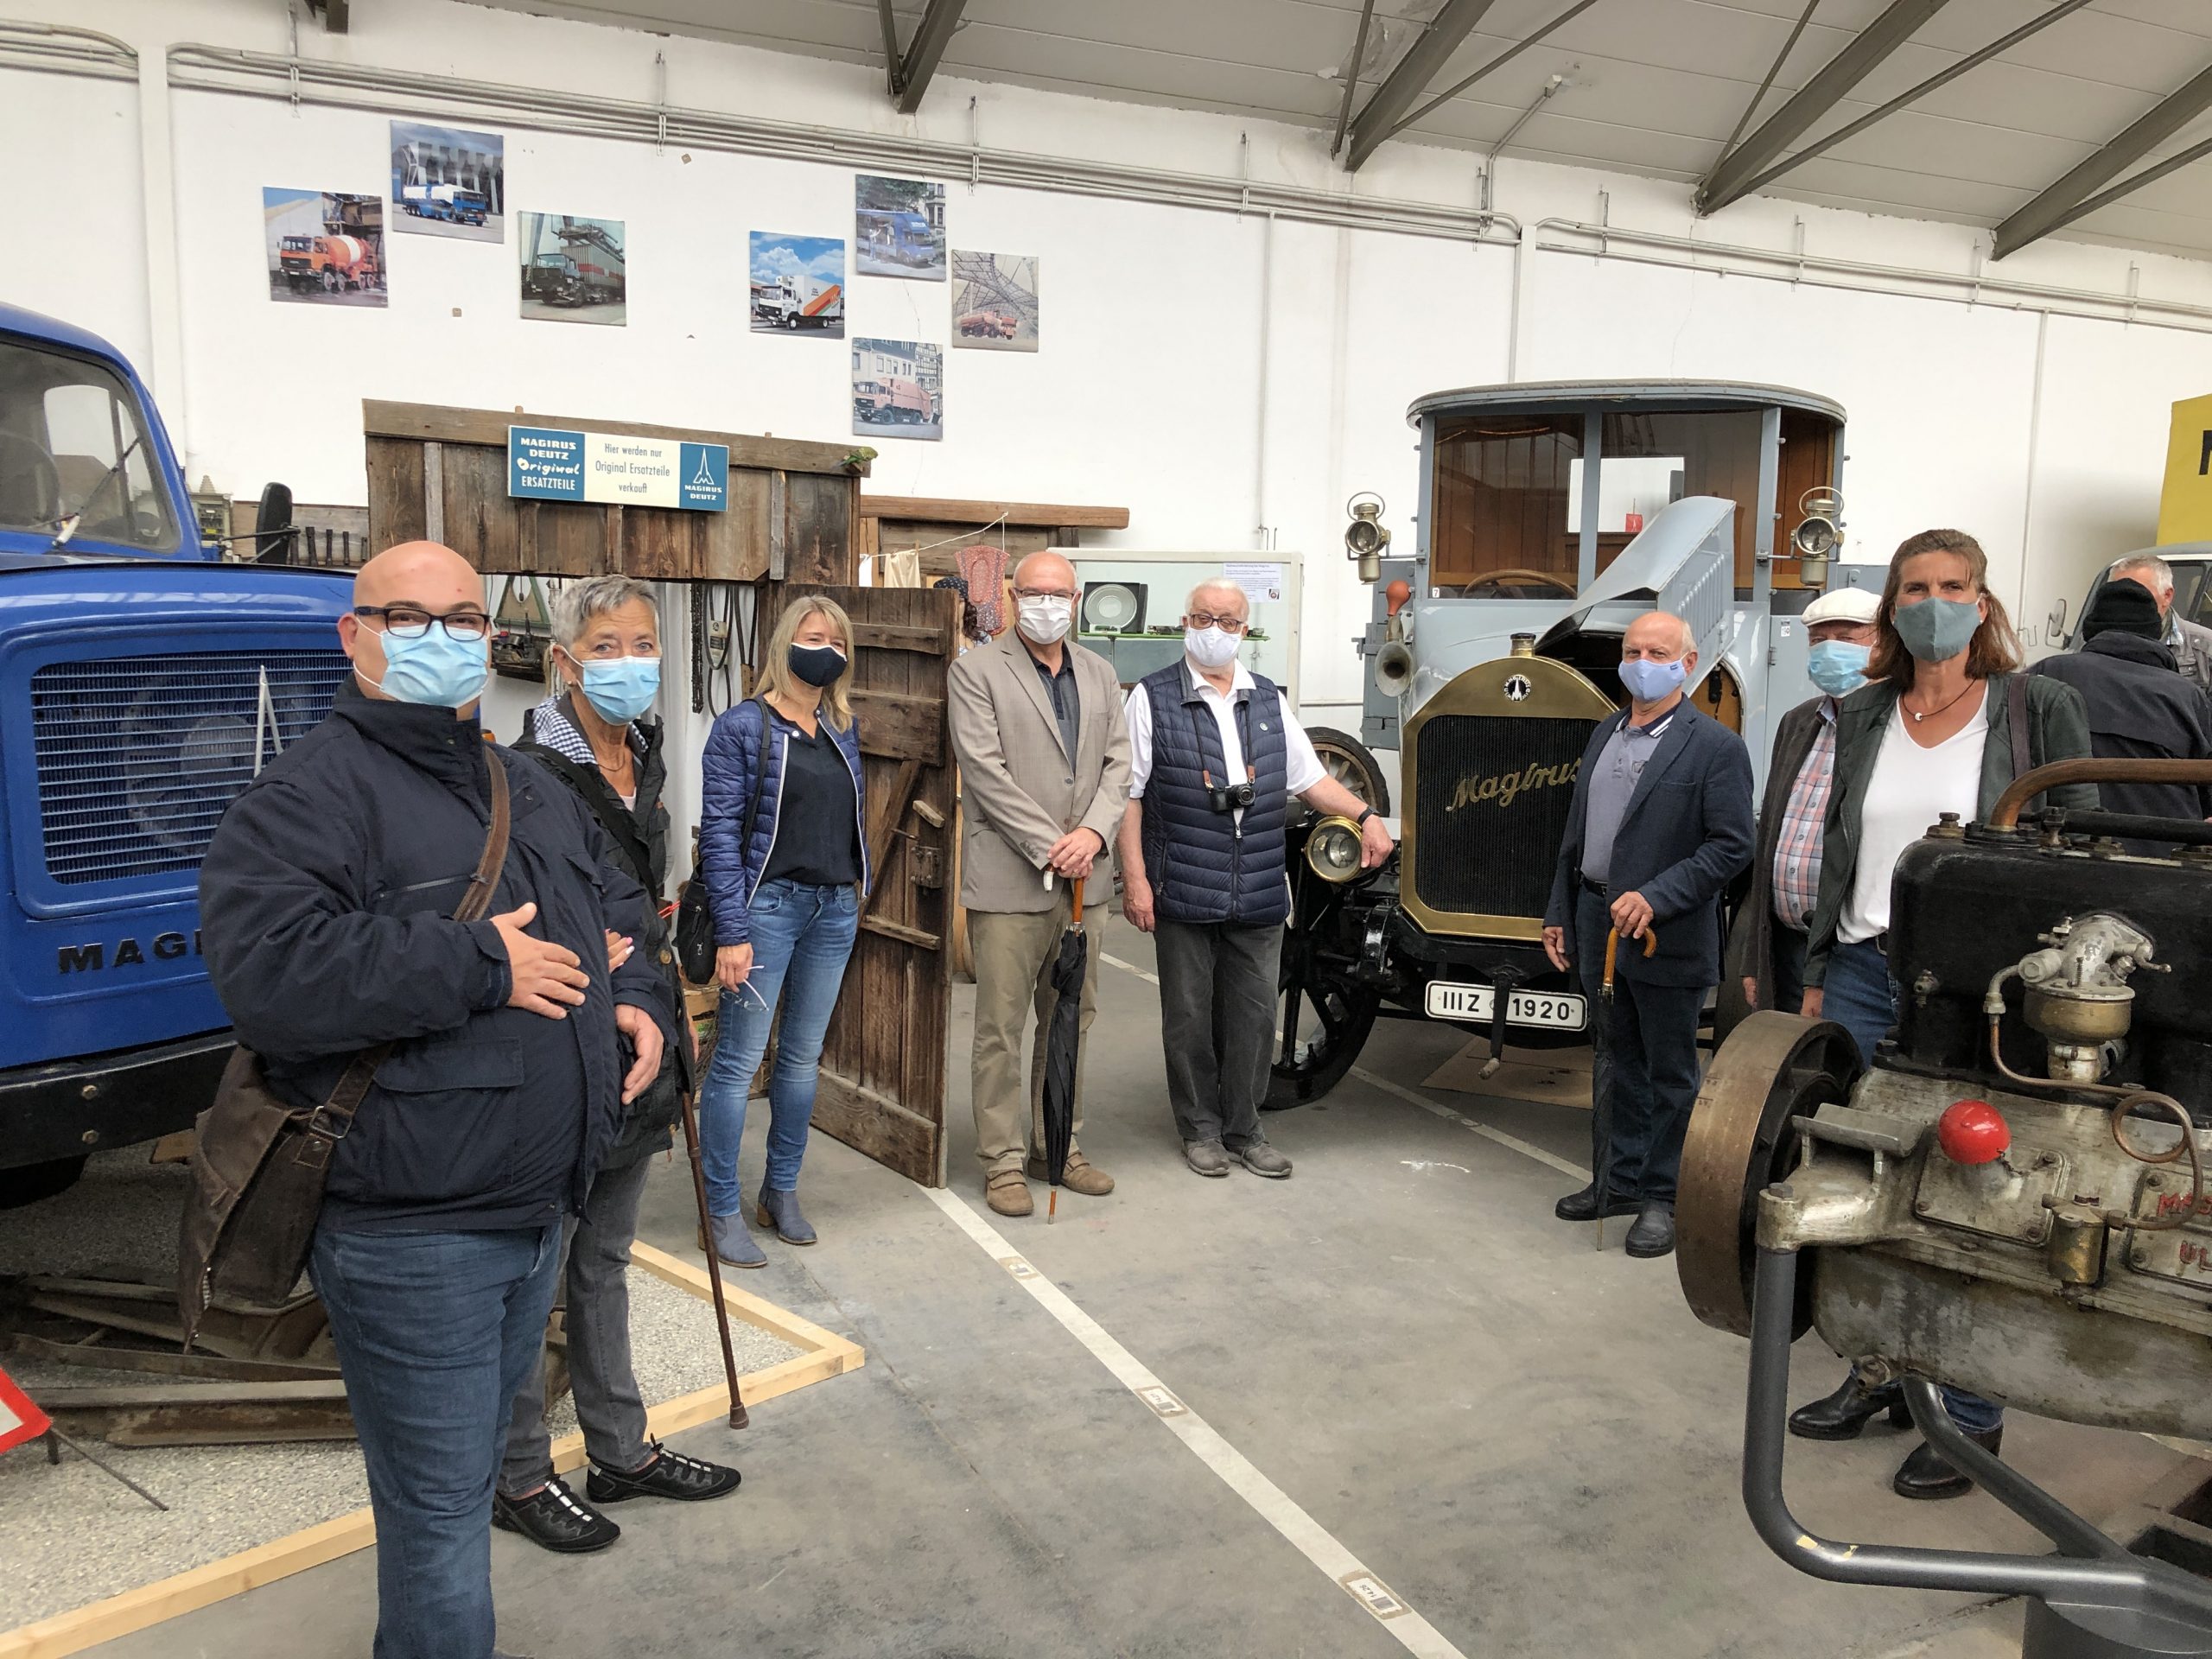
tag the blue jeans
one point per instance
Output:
(802, 938)
(435, 1332)
(1860, 996)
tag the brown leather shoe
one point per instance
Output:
(1081, 1176)
(1008, 1194)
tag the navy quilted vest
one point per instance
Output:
(1204, 867)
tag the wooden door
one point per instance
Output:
(883, 1067)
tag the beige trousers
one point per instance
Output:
(1014, 952)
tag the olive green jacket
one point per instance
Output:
(2058, 729)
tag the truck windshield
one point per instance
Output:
(73, 444)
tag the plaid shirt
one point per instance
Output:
(1797, 848)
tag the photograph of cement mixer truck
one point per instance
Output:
(324, 247)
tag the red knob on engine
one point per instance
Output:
(1973, 1131)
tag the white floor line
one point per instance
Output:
(1413, 1633)
(1566, 1166)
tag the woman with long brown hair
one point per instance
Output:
(1946, 720)
(785, 864)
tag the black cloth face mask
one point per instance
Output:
(819, 665)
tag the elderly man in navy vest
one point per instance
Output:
(1215, 757)
(1660, 824)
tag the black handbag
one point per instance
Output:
(260, 1164)
(694, 918)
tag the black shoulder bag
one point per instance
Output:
(260, 1164)
(695, 921)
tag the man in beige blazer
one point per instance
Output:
(1044, 752)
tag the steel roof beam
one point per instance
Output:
(1914, 94)
(1423, 60)
(1833, 83)
(1352, 74)
(1497, 62)
(931, 36)
(2077, 193)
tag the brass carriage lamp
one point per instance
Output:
(1818, 534)
(1364, 537)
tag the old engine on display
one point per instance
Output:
(2010, 1199)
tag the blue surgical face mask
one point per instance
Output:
(622, 688)
(1649, 682)
(1936, 629)
(434, 668)
(1838, 666)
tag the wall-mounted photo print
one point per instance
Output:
(798, 284)
(324, 247)
(897, 228)
(448, 182)
(993, 302)
(572, 269)
(898, 389)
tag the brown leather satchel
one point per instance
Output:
(258, 1170)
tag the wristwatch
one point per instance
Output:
(1360, 822)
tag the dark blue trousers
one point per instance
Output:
(1646, 1062)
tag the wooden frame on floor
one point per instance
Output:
(826, 1354)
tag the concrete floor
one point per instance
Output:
(1532, 1445)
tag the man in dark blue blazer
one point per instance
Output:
(1660, 825)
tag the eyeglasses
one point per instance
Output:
(1207, 619)
(1041, 593)
(412, 621)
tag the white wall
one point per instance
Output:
(1150, 389)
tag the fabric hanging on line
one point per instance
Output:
(899, 569)
(982, 567)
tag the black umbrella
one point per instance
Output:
(1601, 1104)
(1063, 1040)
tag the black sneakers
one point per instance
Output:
(552, 1518)
(688, 1480)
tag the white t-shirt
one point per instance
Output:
(1910, 788)
(1303, 765)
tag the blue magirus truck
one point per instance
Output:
(143, 680)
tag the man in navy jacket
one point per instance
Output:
(325, 901)
(1660, 824)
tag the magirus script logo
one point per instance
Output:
(1503, 788)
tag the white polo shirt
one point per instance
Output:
(1303, 765)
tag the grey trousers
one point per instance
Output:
(1218, 994)
(608, 1405)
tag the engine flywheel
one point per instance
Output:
(1774, 1069)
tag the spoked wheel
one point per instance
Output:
(1350, 761)
(1774, 1069)
(1325, 1014)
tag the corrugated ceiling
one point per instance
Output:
(1653, 86)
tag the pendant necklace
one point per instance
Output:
(1917, 716)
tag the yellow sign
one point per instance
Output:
(2185, 503)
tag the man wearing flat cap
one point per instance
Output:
(1793, 817)
(2139, 708)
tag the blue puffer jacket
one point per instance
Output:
(733, 756)
(1206, 866)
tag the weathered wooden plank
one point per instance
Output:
(479, 517)
(438, 423)
(1036, 515)
(900, 727)
(888, 636)
(900, 932)
(817, 529)
(394, 493)
(879, 1127)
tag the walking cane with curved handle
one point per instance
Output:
(1602, 1105)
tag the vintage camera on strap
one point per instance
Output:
(1230, 797)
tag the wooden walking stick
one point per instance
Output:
(737, 1415)
(1602, 1108)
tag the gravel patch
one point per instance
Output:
(70, 1534)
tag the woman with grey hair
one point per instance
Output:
(594, 733)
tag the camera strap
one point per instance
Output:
(1244, 737)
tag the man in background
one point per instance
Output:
(1793, 817)
(1036, 721)
(2190, 642)
(2139, 708)
(1214, 760)
(1660, 824)
(325, 902)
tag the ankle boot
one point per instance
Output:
(780, 1211)
(1843, 1414)
(1928, 1474)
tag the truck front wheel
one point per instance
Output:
(31, 1182)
